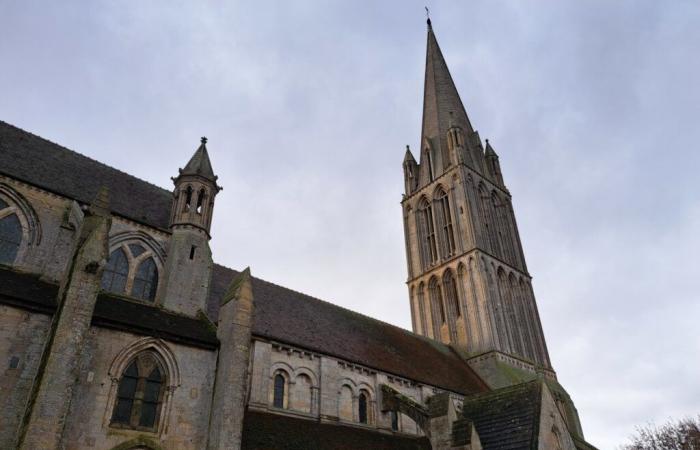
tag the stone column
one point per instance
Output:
(53, 388)
(231, 385)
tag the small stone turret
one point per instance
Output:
(195, 189)
(189, 262)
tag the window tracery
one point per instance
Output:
(140, 394)
(447, 232)
(426, 233)
(132, 270)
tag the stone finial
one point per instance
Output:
(203, 140)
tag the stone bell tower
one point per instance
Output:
(468, 282)
(189, 262)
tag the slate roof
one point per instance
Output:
(507, 418)
(263, 431)
(281, 314)
(40, 162)
(294, 318)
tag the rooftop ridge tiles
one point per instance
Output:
(62, 147)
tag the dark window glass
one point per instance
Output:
(3, 205)
(363, 408)
(10, 238)
(145, 281)
(188, 199)
(278, 400)
(151, 398)
(136, 250)
(394, 421)
(114, 277)
(126, 393)
(139, 397)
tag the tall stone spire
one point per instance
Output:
(440, 99)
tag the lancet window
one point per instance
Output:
(426, 233)
(279, 391)
(447, 236)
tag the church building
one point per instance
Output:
(118, 331)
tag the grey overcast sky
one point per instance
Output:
(593, 107)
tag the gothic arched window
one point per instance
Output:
(131, 270)
(447, 235)
(394, 421)
(145, 281)
(362, 407)
(200, 201)
(451, 296)
(140, 394)
(278, 393)
(188, 199)
(10, 234)
(436, 306)
(116, 272)
(426, 233)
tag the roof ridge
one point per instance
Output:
(84, 156)
(430, 341)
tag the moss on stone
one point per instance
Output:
(235, 286)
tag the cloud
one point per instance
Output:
(591, 106)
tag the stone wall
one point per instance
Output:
(322, 387)
(185, 412)
(22, 336)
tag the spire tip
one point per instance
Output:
(203, 140)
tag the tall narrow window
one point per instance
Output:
(447, 232)
(140, 394)
(451, 292)
(10, 234)
(200, 201)
(126, 393)
(116, 272)
(429, 157)
(426, 218)
(278, 395)
(188, 199)
(145, 281)
(438, 309)
(362, 405)
(394, 421)
(426, 233)
(151, 398)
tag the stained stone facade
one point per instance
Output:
(118, 330)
